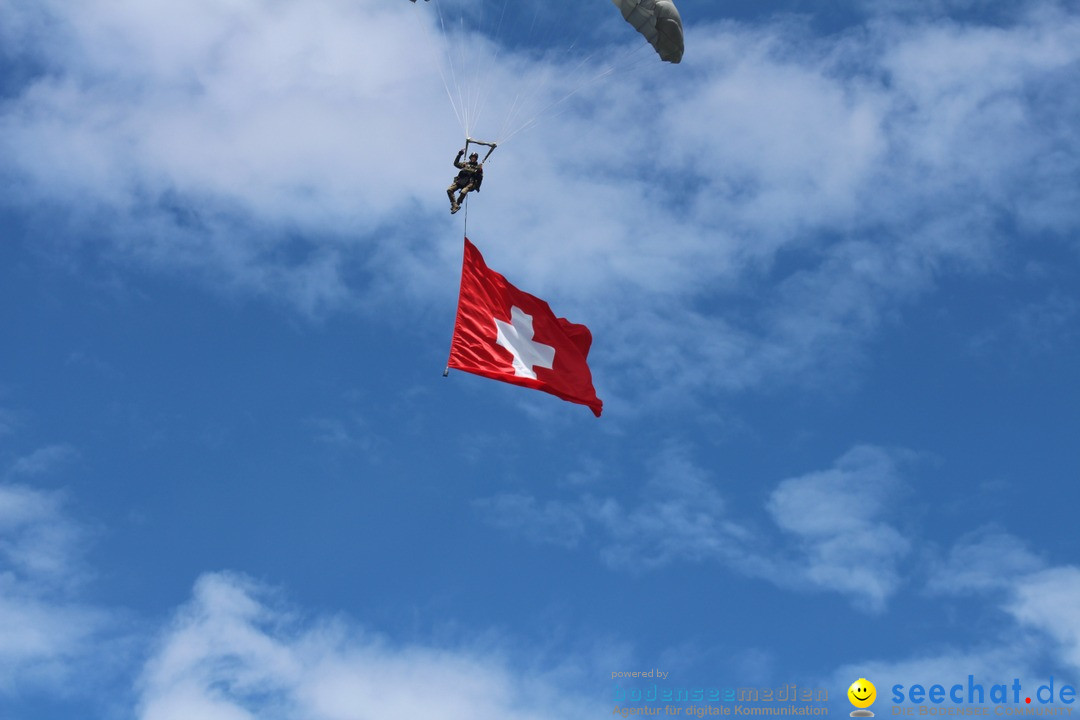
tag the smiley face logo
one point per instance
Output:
(862, 693)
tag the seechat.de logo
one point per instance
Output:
(862, 694)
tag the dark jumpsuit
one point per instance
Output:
(469, 179)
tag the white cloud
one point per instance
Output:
(46, 631)
(39, 541)
(43, 460)
(1042, 605)
(982, 561)
(1038, 327)
(835, 531)
(174, 127)
(682, 516)
(1037, 604)
(1046, 601)
(233, 652)
(8, 422)
(547, 523)
(839, 519)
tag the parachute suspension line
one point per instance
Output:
(539, 81)
(469, 81)
(439, 65)
(530, 121)
(467, 73)
(457, 58)
(483, 84)
(583, 81)
(463, 88)
(578, 78)
(518, 97)
(457, 105)
(622, 63)
(478, 77)
(470, 70)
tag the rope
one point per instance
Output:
(446, 370)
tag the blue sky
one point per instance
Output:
(831, 268)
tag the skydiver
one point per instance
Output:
(470, 177)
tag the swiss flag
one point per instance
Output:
(510, 335)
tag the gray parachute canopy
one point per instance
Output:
(659, 22)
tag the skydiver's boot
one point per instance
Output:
(454, 207)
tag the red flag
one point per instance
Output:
(510, 335)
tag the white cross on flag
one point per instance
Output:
(510, 335)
